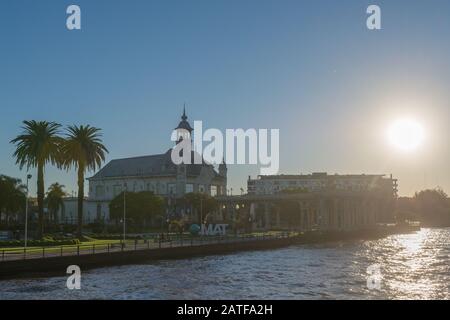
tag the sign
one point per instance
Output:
(218, 229)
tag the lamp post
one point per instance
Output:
(26, 212)
(124, 211)
(235, 218)
(201, 212)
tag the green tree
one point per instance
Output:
(37, 146)
(54, 200)
(142, 208)
(201, 203)
(12, 196)
(83, 149)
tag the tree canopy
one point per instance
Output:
(201, 202)
(12, 195)
(55, 199)
(140, 207)
(38, 145)
(83, 149)
(431, 207)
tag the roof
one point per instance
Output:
(153, 165)
(147, 166)
(319, 175)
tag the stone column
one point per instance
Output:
(278, 216)
(266, 216)
(322, 215)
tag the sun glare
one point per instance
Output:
(406, 134)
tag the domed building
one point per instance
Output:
(156, 173)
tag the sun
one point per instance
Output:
(406, 134)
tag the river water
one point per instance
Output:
(411, 266)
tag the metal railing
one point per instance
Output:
(8, 254)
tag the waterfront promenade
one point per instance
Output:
(54, 260)
(13, 254)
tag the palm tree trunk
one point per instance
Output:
(40, 199)
(80, 200)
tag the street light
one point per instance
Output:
(26, 211)
(201, 211)
(124, 211)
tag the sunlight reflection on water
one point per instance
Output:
(413, 266)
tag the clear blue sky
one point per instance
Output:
(309, 68)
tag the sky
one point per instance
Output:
(309, 68)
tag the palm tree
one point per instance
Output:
(82, 149)
(55, 195)
(12, 196)
(35, 147)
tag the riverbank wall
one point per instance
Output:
(57, 266)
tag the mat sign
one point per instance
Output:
(218, 229)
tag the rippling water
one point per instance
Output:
(413, 266)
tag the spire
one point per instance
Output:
(184, 117)
(184, 124)
(223, 168)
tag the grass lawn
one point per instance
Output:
(103, 244)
